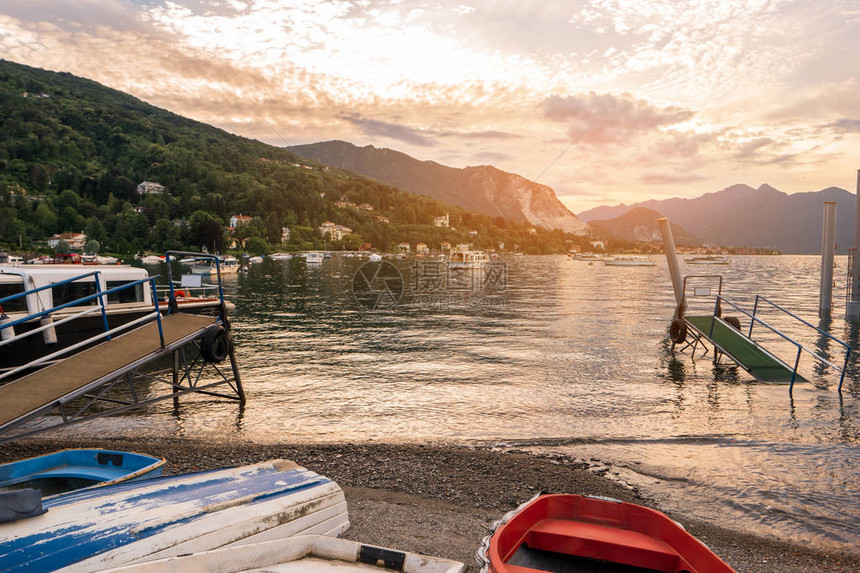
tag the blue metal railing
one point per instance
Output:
(800, 347)
(100, 296)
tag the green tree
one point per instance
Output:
(92, 246)
(94, 229)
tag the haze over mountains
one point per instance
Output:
(481, 189)
(640, 224)
(760, 218)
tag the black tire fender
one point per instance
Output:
(215, 344)
(678, 331)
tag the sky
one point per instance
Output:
(605, 101)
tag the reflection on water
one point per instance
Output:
(575, 359)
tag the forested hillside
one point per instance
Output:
(72, 153)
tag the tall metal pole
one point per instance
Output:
(828, 247)
(852, 307)
(674, 266)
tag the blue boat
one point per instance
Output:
(69, 470)
(127, 523)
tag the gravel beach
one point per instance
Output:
(440, 499)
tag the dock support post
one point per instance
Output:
(852, 306)
(674, 266)
(828, 246)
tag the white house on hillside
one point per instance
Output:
(240, 219)
(150, 188)
(75, 240)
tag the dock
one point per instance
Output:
(750, 356)
(60, 382)
(121, 368)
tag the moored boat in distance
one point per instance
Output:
(301, 553)
(463, 257)
(566, 532)
(207, 266)
(708, 260)
(591, 257)
(313, 258)
(133, 522)
(67, 470)
(152, 259)
(628, 261)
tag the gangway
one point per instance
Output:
(725, 334)
(111, 377)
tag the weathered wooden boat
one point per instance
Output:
(302, 553)
(566, 532)
(67, 470)
(127, 523)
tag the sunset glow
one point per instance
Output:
(689, 97)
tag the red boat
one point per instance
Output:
(572, 533)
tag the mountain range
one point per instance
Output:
(743, 216)
(737, 216)
(640, 224)
(482, 189)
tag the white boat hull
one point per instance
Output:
(134, 523)
(300, 554)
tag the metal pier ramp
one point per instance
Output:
(750, 356)
(55, 385)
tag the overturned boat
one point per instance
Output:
(141, 521)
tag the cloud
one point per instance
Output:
(844, 125)
(491, 157)
(616, 118)
(80, 14)
(671, 178)
(378, 128)
(479, 135)
(751, 148)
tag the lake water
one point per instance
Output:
(557, 356)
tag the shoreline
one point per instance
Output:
(439, 499)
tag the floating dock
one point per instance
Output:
(749, 355)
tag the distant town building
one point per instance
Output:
(380, 218)
(365, 247)
(403, 247)
(532, 231)
(441, 221)
(446, 246)
(335, 232)
(473, 233)
(240, 219)
(598, 244)
(345, 203)
(366, 207)
(285, 234)
(150, 188)
(75, 240)
(422, 249)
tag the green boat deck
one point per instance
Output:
(749, 355)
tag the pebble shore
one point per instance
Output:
(440, 499)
